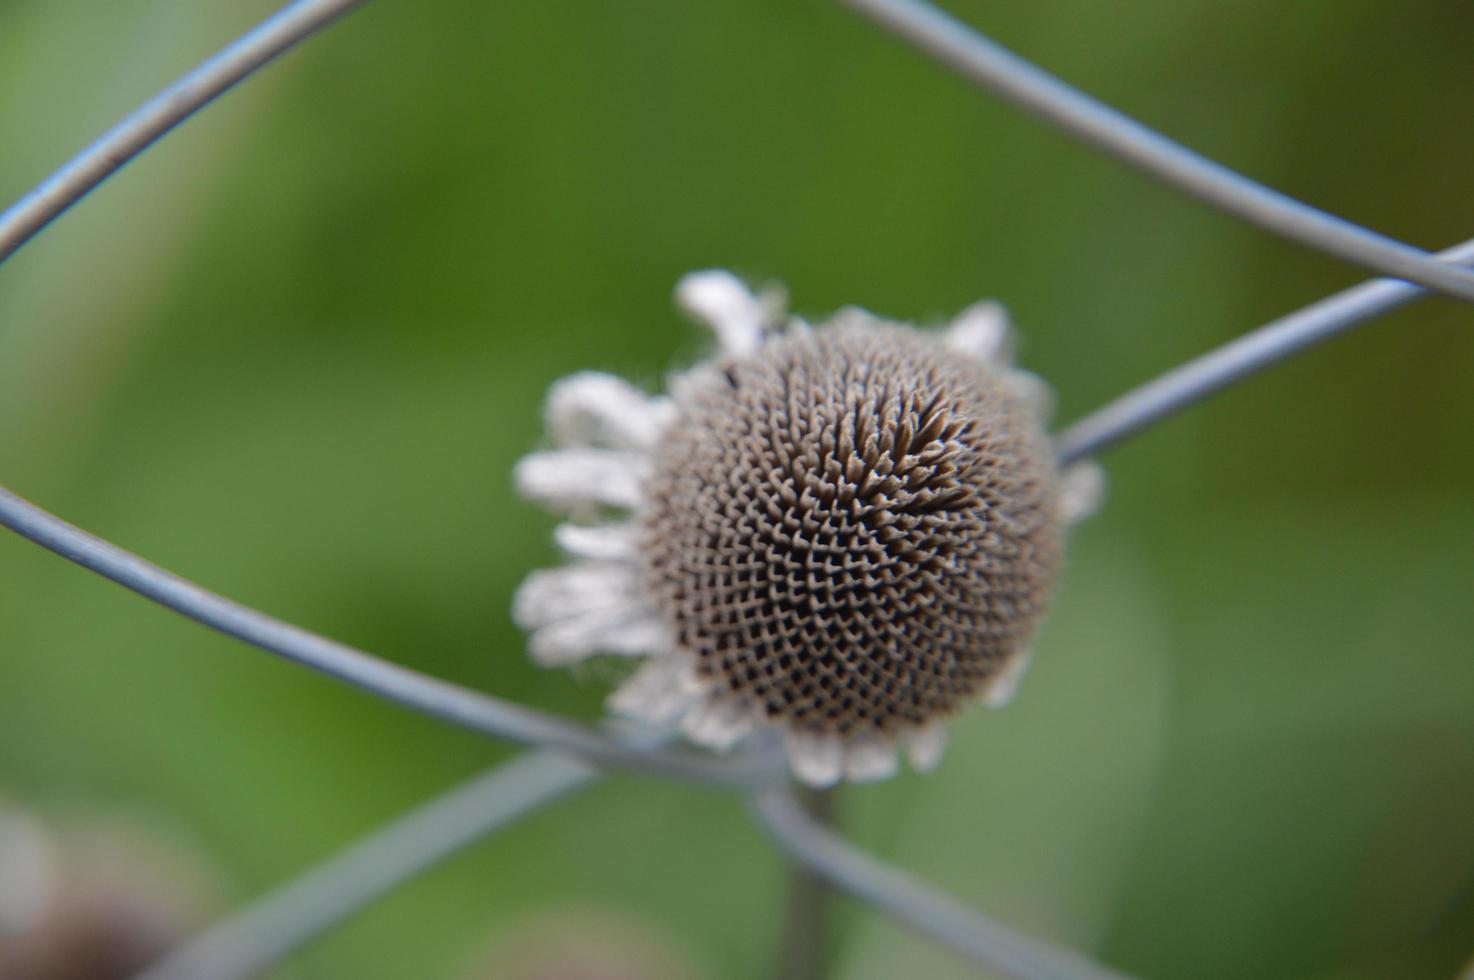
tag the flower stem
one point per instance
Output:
(804, 947)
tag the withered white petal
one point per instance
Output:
(617, 632)
(723, 302)
(871, 758)
(717, 721)
(1034, 391)
(983, 331)
(816, 758)
(925, 745)
(1004, 685)
(576, 479)
(595, 410)
(660, 692)
(606, 542)
(1082, 490)
(28, 874)
(554, 594)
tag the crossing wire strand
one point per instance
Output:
(440, 699)
(1238, 360)
(253, 939)
(145, 125)
(992, 66)
(978, 938)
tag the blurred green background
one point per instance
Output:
(294, 351)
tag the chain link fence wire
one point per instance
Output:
(569, 755)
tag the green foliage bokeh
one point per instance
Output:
(293, 352)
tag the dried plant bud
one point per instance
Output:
(94, 904)
(846, 532)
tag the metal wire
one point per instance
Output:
(441, 699)
(143, 126)
(1203, 376)
(283, 921)
(988, 64)
(985, 942)
(250, 941)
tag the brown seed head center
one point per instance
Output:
(853, 530)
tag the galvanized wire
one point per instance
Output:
(1239, 359)
(440, 699)
(981, 60)
(980, 939)
(142, 127)
(303, 909)
(247, 943)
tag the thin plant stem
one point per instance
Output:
(806, 942)
(145, 125)
(979, 939)
(1237, 360)
(432, 696)
(1027, 87)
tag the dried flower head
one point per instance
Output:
(847, 532)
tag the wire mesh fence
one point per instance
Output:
(568, 755)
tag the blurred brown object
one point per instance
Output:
(96, 904)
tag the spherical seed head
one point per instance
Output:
(855, 530)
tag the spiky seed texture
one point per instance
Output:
(847, 532)
(852, 532)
